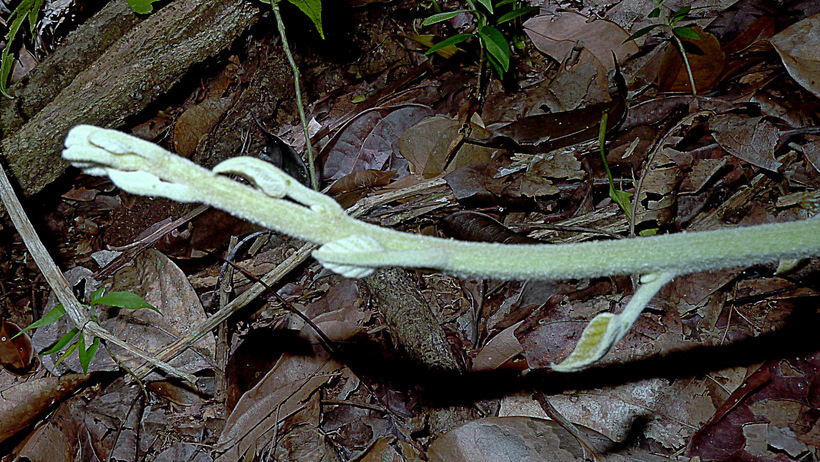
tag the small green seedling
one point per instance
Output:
(494, 45)
(27, 9)
(142, 6)
(126, 300)
(311, 8)
(618, 196)
(670, 22)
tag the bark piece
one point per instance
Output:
(412, 325)
(79, 50)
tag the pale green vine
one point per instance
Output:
(355, 249)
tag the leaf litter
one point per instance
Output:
(721, 366)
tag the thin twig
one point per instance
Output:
(326, 342)
(559, 418)
(58, 283)
(314, 181)
(686, 63)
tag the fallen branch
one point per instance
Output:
(58, 283)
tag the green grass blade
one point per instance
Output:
(53, 316)
(447, 42)
(441, 17)
(69, 336)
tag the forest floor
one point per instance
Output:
(722, 365)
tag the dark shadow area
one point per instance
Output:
(799, 337)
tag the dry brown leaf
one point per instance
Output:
(427, 144)
(581, 81)
(557, 35)
(513, 438)
(368, 141)
(153, 128)
(196, 122)
(161, 283)
(281, 393)
(499, 351)
(799, 48)
(16, 354)
(24, 402)
(361, 180)
(475, 226)
(752, 139)
(538, 181)
(706, 64)
(390, 449)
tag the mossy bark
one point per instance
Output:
(79, 49)
(133, 71)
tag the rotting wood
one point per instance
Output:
(79, 50)
(142, 65)
(412, 325)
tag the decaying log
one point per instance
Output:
(412, 325)
(134, 71)
(79, 49)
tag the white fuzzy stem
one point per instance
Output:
(144, 168)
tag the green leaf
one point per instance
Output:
(641, 32)
(496, 45)
(686, 32)
(313, 10)
(127, 300)
(681, 13)
(447, 42)
(66, 354)
(33, 13)
(622, 199)
(86, 355)
(517, 13)
(141, 6)
(654, 13)
(619, 197)
(53, 316)
(496, 65)
(596, 340)
(69, 336)
(6, 63)
(606, 329)
(5, 71)
(440, 17)
(96, 295)
(504, 2)
(487, 4)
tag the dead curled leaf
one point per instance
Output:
(475, 226)
(196, 122)
(752, 139)
(16, 354)
(799, 48)
(557, 35)
(706, 59)
(500, 351)
(361, 180)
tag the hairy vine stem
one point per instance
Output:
(355, 249)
